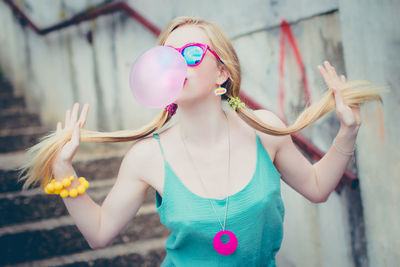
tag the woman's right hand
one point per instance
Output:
(70, 148)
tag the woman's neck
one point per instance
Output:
(203, 122)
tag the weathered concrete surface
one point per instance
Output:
(235, 17)
(371, 41)
(91, 62)
(315, 235)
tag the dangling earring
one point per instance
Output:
(220, 91)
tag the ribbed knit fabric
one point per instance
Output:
(255, 215)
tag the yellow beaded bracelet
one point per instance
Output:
(59, 188)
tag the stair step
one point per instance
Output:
(21, 138)
(14, 118)
(34, 204)
(94, 165)
(66, 238)
(6, 93)
(62, 221)
(5, 87)
(13, 101)
(11, 110)
(9, 181)
(149, 252)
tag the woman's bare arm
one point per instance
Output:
(126, 196)
(98, 224)
(314, 181)
(294, 168)
(317, 181)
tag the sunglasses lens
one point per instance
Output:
(192, 54)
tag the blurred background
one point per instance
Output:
(56, 53)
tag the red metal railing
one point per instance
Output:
(86, 15)
(312, 151)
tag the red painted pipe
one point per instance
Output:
(348, 178)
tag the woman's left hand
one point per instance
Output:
(350, 118)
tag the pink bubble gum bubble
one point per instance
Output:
(157, 76)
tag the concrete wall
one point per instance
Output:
(371, 40)
(64, 67)
(56, 70)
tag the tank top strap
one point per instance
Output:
(157, 137)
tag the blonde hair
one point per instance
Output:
(40, 157)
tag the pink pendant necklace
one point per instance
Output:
(229, 247)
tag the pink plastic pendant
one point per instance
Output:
(225, 248)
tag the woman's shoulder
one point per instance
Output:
(272, 142)
(144, 157)
(143, 147)
(142, 151)
(269, 117)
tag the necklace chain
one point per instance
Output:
(198, 173)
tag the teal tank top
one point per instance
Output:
(255, 215)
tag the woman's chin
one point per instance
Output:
(183, 97)
(185, 101)
(187, 97)
(181, 101)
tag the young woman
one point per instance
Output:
(216, 172)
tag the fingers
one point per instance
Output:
(59, 127)
(75, 139)
(84, 113)
(67, 118)
(338, 99)
(331, 70)
(330, 76)
(328, 72)
(74, 115)
(323, 72)
(71, 118)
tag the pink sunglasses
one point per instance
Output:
(194, 53)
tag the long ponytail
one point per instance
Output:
(354, 93)
(38, 166)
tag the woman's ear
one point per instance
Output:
(222, 75)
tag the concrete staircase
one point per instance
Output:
(36, 229)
